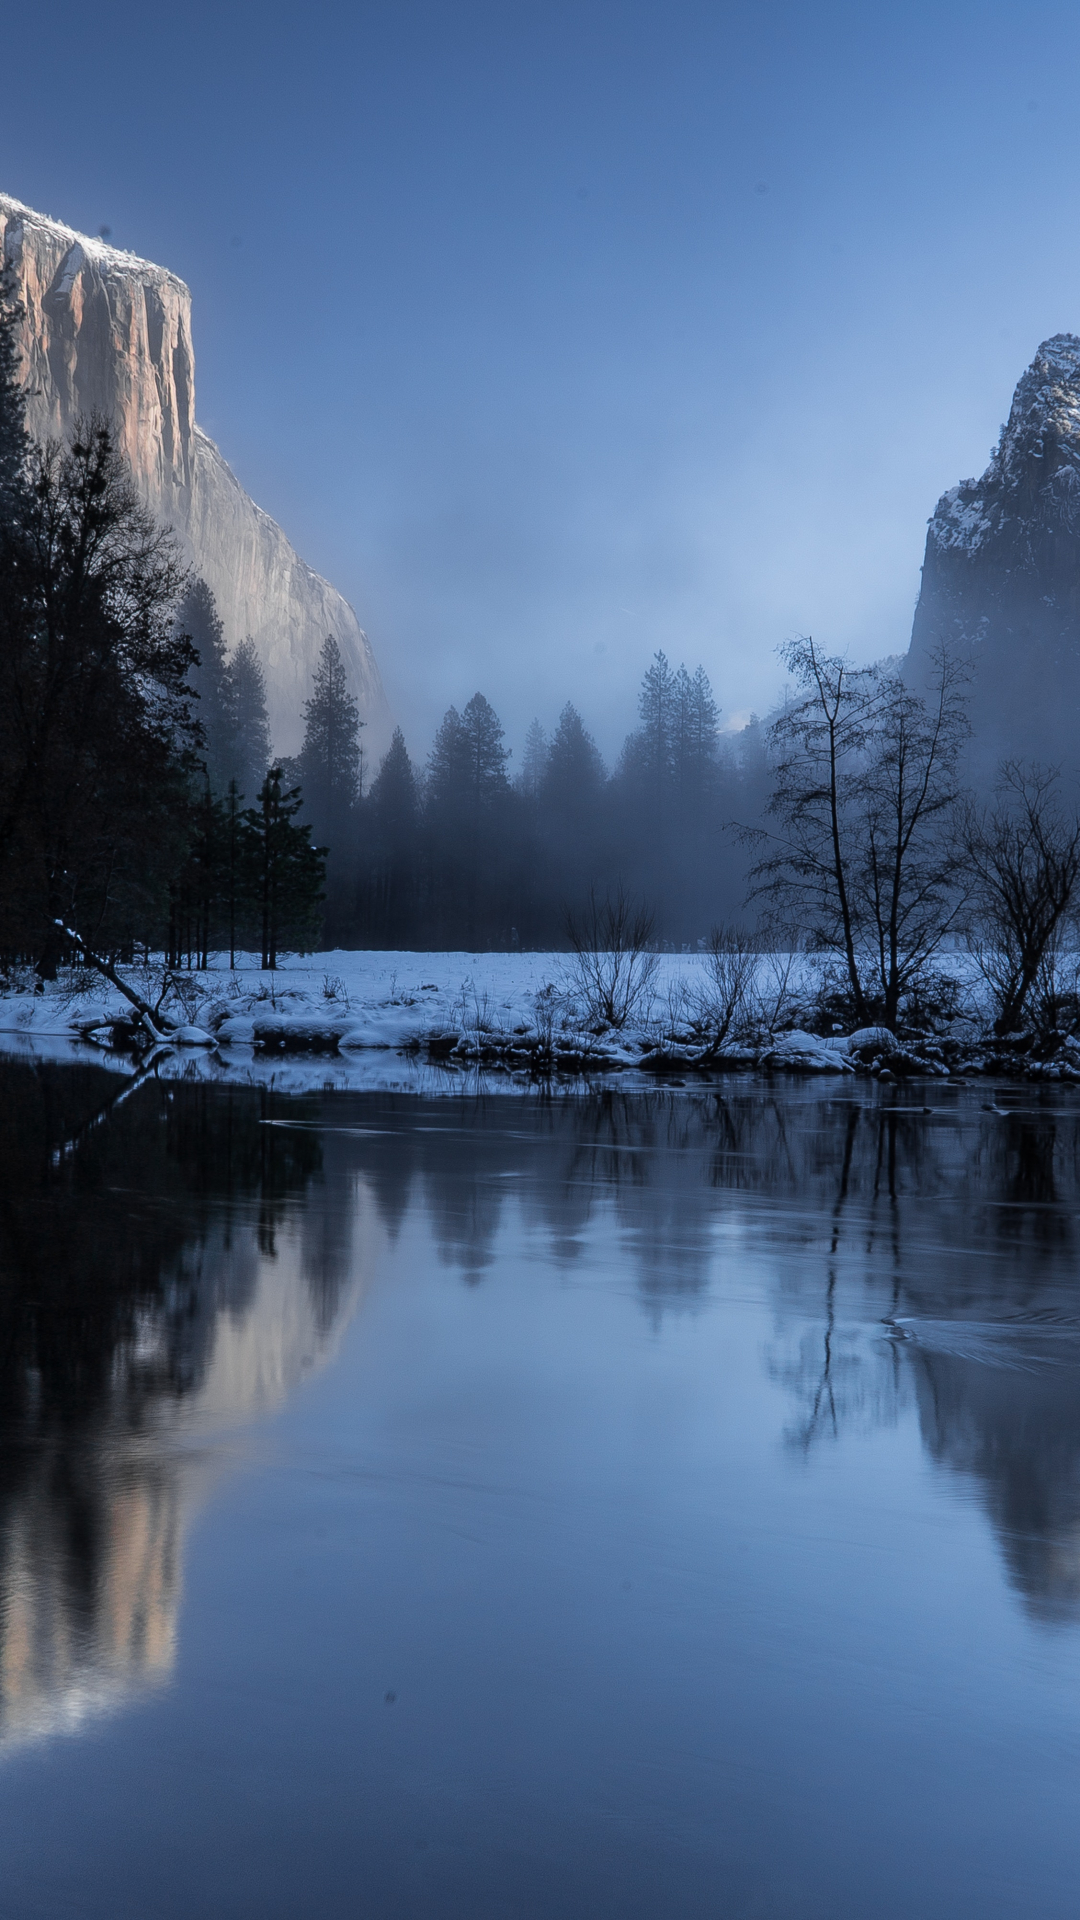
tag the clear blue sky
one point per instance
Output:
(556, 333)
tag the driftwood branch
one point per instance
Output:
(148, 1015)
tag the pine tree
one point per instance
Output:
(252, 736)
(658, 707)
(234, 896)
(329, 761)
(533, 761)
(696, 740)
(198, 617)
(574, 774)
(393, 813)
(468, 805)
(467, 766)
(94, 705)
(286, 870)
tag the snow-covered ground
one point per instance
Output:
(419, 1022)
(380, 1013)
(397, 996)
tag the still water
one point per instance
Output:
(659, 1504)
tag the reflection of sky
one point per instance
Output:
(557, 333)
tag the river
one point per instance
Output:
(659, 1503)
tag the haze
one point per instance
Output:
(553, 335)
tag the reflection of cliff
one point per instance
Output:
(163, 1281)
(85, 1621)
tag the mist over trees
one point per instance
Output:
(141, 805)
(460, 853)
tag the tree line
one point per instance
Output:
(141, 804)
(111, 826)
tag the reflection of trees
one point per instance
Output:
(966, 1221)
(190, 1248)
(958, 1213)
(138, 1223)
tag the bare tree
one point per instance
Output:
(862, 859)
(723, 1000)
(908, 857)
(1024, 855)
(613, 968)
(817, 744)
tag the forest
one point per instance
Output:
(142, 808)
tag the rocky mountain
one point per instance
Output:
(105, 332)
(1001, 576)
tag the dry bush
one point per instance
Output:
(724, 1003)
(613, 966)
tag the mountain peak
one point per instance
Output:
(105, 332)
(1001, 574)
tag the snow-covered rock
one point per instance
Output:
(801, 1052)
(871, 1040)
(306, 1032)
(237, 1029)
(191, 1037)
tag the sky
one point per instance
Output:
(557, 334)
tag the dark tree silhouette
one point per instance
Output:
(393, 830)
(329, 760)
(252, 737)
(95, 716)
(198, 617)
(286, 871)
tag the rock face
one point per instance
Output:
(1001, 576)
(107, 333)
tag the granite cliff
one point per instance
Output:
(105, 332)
(1001, 575)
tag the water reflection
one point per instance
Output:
(892, 1218)
(159, 1275)
(176, 1256)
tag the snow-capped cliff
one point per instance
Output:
(1001, 575)
(105, 332)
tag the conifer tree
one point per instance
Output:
(533, 761)
(468, 807)
(286, 870)
(94, 704)
(697, 732)
(198, 617)
(467, 766)
(329, 760)
(393, 814)
(252, 735)
(573, 777)
(658, 706)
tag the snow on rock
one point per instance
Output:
(235, 1029)
(306, 1032)
(389, 1027)
(872, 1040)
(190, 1037)
(801, 1052)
